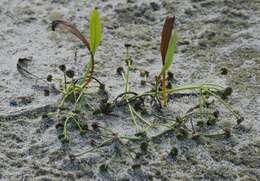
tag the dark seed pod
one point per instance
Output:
(182, 134)
(174, 152)
(143, 82)
(95, 126)
(128, 45)
(120, 70)
(200, 123)
(170, 76)
(240, 120)
(62, 68)
(46, 92)
(72, 157)
(70, 73)
(49, 78)
(93, 142)
(211, 121)
(216, 114)
(103, 168)
(45, 116)
(84, 126)
(102, 87)
(136, 166)
(223, 71)
(61, 136)
(228, 91)
(144, 146)
(59, 125)
(169, 85)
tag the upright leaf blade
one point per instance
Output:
(170, 53)
(166, 36)
(72, 29)
(95, 30)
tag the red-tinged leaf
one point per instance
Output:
(73, 30)
(166, 36)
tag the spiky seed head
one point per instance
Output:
(70, 73)
(49, 78)
(95, 126)
(128, 45)
(46, 92)
(228, 91)
(143, 82)
(120, 70)
(216, 114)
(62, 68)
(240, 120)
(174, 152)
(170, 75)
(144, 146)
(223, 71)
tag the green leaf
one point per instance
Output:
(170, 53)
(95, 30)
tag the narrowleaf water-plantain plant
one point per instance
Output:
(95, 30)
(75, 87)
(168, 48)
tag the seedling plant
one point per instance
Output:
(74, 90)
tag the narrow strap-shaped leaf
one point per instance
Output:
(170, 53)
(73, 30)
(166, 36)
(95, 30)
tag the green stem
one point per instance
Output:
(96, 147)
(225, 104)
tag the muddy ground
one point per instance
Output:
(212, 34)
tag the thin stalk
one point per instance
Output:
(77, 123)
(164, 89)
(225, 104)
(131, 138)
(96, 147)
(125, 77)
(201, 104)
(65, 80)
(141, 118)
(65, 130)
(180, 89)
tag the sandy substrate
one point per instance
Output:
(212, 34)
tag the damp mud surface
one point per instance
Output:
(212, 34)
